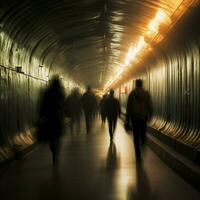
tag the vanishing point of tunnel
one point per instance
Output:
(106, 46)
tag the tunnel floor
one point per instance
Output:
(92, 168)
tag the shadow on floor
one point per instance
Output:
(142, 189)
(113, 161)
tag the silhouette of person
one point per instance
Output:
(89, 104)
(113, 111)
(102, 109)
(51, 116)
(139, 111)
(73, 104)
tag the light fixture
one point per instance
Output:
(156, 30)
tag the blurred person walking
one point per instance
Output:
(139, 112)
(51, 116)
(112, 111)
(74, 109)
(102, 109)
(89, 104)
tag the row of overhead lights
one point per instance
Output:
(160, 23)
(140, 45)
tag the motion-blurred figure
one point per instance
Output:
(139, 111)
(113, 111)
(89, 104)
(102, 109)
(73, 104)
(51, 116)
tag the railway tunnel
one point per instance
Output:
(105, 44)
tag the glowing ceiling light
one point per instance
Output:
(108, 83)
(160, 21)
(129, 56)
(113, 79)
(153, 26)
(160, 18)
(133, 51)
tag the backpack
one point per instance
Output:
(139, 107)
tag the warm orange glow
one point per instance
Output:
(133, 51)
(98, 92)
(161, 17)
(156, 30)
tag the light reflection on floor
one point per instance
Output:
(93, 168)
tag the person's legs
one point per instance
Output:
(88, 118)
(136, 136)
(110, 128)
(143, 127)
(114, 124)
(137, 145)
(103, 119)
(54, 147)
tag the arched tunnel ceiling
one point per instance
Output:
(86, 39)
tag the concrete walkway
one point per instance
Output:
(92, 168)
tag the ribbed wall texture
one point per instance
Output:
(172, 75)
(174, 85)
(173, 79)
(18, 110)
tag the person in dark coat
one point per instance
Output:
(89, 104)
(113, 111)
(51, 116)
(138, 112)
(74, 109)
(102, 109)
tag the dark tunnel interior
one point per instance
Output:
(105, 44)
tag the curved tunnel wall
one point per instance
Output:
(172, 76)
(173, 81)
(19, 88)
(18, 101)
(31, 46)
(174, 85)
(19, 96)
(27, 43)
